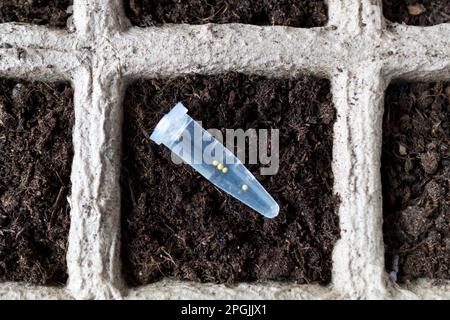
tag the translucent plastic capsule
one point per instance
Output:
(195, 146)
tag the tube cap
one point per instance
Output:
(171, 125)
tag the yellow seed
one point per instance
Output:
(244, 187)
(220, 166)
(215, 163)
(225, 170)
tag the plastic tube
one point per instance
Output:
(195, 146)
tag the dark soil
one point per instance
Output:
(416, 180)
(417, 12)
(36, 122)
(46, 12)
(176, 224)
(294, 13)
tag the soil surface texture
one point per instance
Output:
(416, 180)
(45, 12)
(294, 13)
(417, 12)
(36, 122)
(176, 224)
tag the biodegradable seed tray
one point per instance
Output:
(358, 50)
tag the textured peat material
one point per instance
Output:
(44, 12)
(176, 224)
(295, 13)
(416, 180)
(417, 12)
(36, 122)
